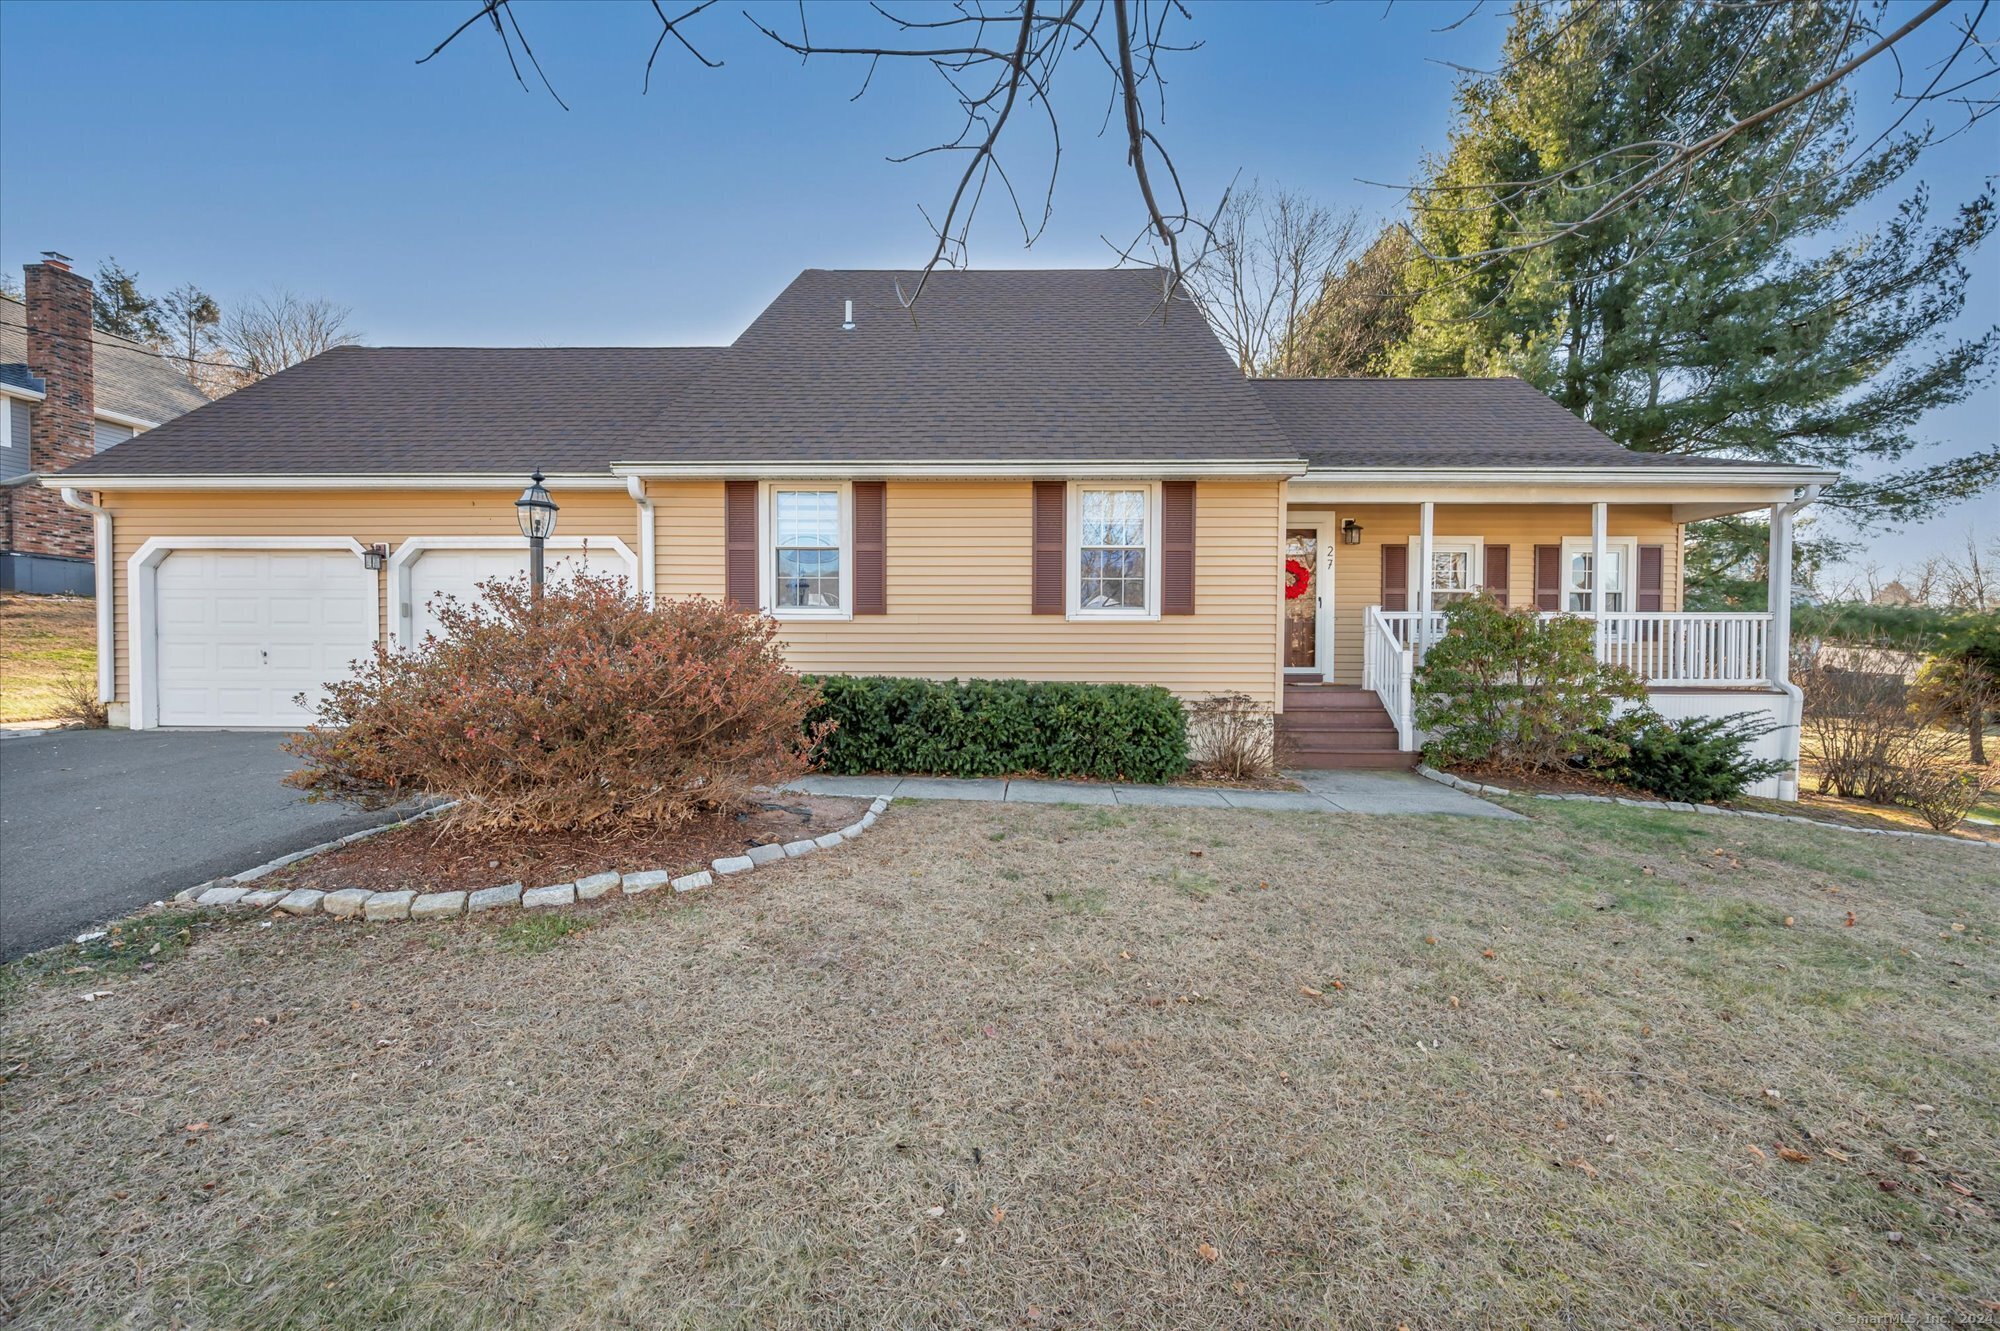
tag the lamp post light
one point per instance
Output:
(537, 513)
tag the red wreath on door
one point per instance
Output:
(1297, 578)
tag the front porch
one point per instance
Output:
(1367, 586)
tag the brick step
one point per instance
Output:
(1339, 741)
(1343, 759)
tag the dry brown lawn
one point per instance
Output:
(44, 640)
(1052, 1067)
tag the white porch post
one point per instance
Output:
(1599, 518)
(1425, 513)
(1778, 598)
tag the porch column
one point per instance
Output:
(1778, 597)
(1426, 511)
(1599, 516)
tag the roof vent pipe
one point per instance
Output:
(847, 319)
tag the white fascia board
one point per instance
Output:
(129, 422)
(1008, 471)
(1620, 477)
(337, 481)
(25, 394)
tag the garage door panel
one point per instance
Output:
(437, 574)
(240, 633)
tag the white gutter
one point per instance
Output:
(25, 394)
(648, 557)
(1777, 475)
(107, 661)
(792, 469)
(343, 481)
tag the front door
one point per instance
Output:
(1303, 594)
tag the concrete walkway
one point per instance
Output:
(1325, 792)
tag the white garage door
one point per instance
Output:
(242, 632)
(435, 574)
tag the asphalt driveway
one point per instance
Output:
(94, 823)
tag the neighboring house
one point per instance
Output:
(67, 393)
(1046, 475)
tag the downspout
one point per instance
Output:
(107, 661)
(636, 487)
(1780, 647)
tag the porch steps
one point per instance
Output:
(1337, 726)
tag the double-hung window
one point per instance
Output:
(1456, 572)
(807, 573)
(1114, 564)
(1580, 578)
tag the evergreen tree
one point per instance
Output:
(118, 306)
(1362, 313)
(1736, 312)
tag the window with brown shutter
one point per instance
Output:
(739, 537)
(1395, 577)
(1652, 577)
(871, 587)
(1051, 498)
(1498, 572)
(1177, 548)
(1548, 577)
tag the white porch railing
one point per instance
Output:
(1665, 650)
(1388, 666)
(1688, 649)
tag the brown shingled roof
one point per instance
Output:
(1029, 366)
(406, 410)
(1442, 423)
(1032, 366)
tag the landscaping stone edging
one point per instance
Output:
(1678, 806)
(360, 903)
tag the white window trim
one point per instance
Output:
(1475, 545)
(141, 580)
(404, 630)
(1073, 553)
(6, 421)
(1628, 548)
(767, 552)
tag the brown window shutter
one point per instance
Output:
(1652, 577)
(871, 585)
(739, 541)
(1548, 577)
(1051, 499)
(1497, 572)
(1395, 577)
(1177, 548)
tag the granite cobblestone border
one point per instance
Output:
(360, 903)
(1680, 806)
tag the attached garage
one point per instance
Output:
(424, 570)
(241, 633)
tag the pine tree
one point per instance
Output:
(118, 306)
(1738, 312)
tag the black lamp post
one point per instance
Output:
(537, 513)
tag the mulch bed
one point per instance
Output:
(1540, 781)
(1810, 803)
(436, 857)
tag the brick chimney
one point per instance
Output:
(61, 355)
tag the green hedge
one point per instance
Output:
(1000, 727)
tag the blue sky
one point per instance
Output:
(250, 146)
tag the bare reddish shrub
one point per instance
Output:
(589, 711)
